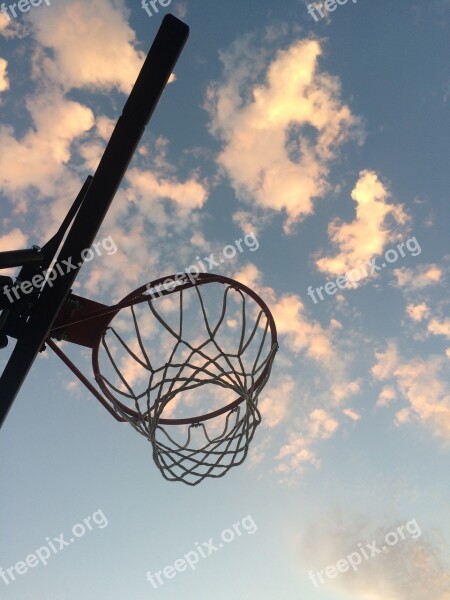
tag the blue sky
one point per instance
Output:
(327, 141)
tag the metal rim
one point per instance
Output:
(141, 295)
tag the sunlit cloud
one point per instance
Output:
(13, 240)
(413, 568)
(276, 400)
(298, 453)
(4, 81)
(386, 396)
(376, 224)
(422, 384)
(437, 327)
(351, 414)
(92, 44)
(417, 278)
(417, 312)
(264, 112)
(40, 155)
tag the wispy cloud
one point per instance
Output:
(422, 383)
(417, 278)
(413, 569)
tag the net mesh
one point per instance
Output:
(153, 371)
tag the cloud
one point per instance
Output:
(301, 333)
(413, 567)
(10, 28)
(386, 396)
(249, 222)
(92, 46)
(89, 45)
(321, 426)
(417, 312)
(280, 125)
(341, 391)
(351, 414)
(13, 240)
(187, 195)
(423, 384)
(369, 233)
(419, 277)
(80, 44)
(155, 203)
(294, 456)
(274, 405)
(439, 327)
(403, 416)
(4, 81)
(387, 362)
(40, 155)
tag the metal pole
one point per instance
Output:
(138, 109)
(18, 258)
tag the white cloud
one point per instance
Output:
(423, 384)
(187, 195)
(386, 396)
(89, 45)
(262, 111)
(274, 405)
(294, 457)
(322, 425)
(351, 414)
(374, 226)
(298, 453)
(417, 312)
(300, 333)
(40, 155)
(387, 362)
(14, 240)
(92, 45)
(437, 327)
(419, 277)
(343, 390)
(413, 568)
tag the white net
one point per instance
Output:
(205, 350)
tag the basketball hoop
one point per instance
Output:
(151, 351)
